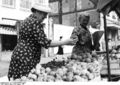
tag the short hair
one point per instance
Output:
(84, 15)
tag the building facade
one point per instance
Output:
(12, 11)
(113, 30)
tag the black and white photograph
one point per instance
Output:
(59, 41)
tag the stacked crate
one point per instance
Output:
(114, 67)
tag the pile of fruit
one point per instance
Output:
(113, 55)
(64, 69)
(86, 57)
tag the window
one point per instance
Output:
(8, 3)
(69, 19)
(68, 5)
(45, 2)
(54, 6)
(40, 1)
(25, 4)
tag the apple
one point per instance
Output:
(30, 75)
(23, 78)
(60, 72)
(77, 78)
(33, 71)
(90, 76)
(17, 80)
(37, 71)
(47, 70)
(38, 66)
(69, 76)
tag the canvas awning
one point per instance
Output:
(113, 26)
(105, 6)
(7, 31)
(7, 27)
(8, 22)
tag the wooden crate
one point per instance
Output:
(96, 79)
(114, 67)
(113, 72)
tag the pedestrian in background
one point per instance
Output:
(60, 48)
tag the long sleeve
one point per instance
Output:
(81, 34)
(40, 36)
(75, 33)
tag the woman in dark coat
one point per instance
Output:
(84, 43)
(27, 53)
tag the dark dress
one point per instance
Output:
(28, 50)
(60, 50)
(84, 43)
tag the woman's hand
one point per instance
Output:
(71, 41)
(64, 42)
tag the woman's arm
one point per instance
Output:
(64, 42)
(42, 39)
(75, 33)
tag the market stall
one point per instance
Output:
(106, 6)
(65, 69)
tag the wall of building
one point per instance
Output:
(19, 13)
(13, 13)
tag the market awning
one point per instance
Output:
(7, 31)
(8, 22)
(8, 27)
(105, 6)
(113, 26)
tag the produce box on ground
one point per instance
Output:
(114, 58)
(65, 69)
(114, 67)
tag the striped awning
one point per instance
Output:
(7, 31)
(8, 22)
(113, 26)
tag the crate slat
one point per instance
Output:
(113, 72)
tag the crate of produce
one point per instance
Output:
(71, 71)
(65, 69)
(114, 67)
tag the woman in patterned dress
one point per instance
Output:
(27, 53)
(84, 43)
